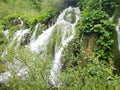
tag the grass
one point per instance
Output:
(17, 7)
(38, 71)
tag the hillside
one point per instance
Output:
(59, 44)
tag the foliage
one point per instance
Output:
(44, 15)
(108, 6)
(36, 4)
(17, 7)
(37, 78)
(96, 21)
(51, 5)
(96, 75)
(3, 42)
(3, 67)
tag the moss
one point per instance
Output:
(3, 66)
(116, 52)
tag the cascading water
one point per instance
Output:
(62, 32)
(18, 36)
(118, 31)
(32, 39)
(6, 33)
(65, 28)
(65, 40)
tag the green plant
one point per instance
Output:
(108, 6)
(38, 70)
(95, 75)
(97, 22)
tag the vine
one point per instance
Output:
(97, 22)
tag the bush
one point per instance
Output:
(97, 22)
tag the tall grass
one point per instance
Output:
(17, 7)
(38, 71)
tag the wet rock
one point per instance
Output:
(18, 68)
(18, 22)
(70, 16)
(4, 76)
(25, 39)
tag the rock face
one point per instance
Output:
(25, 39)
(70, 16)
(89, 42)
(18, 22)
(4, 76)
(16, 67)
(21, 37)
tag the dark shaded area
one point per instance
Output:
(70, 3)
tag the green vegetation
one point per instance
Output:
(95, 75)
(38, 71)
(3, 42)
(30, 11)
(97, 22)
(90, 59)
(109, 6)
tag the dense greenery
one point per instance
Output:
(89, 65)
(38, 71)
(95, 75)
(30, 15)
(88, 59)
(110, 6)
(97, 22)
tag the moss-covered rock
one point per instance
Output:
(70, 16)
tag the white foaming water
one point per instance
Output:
(111, 19)
(6, 33)
(19, 68)
(67, 30)
(54, 73)
(5, 76)
(40, 43)
(118, 31)
(17, 37)
(57, 63)
(64, 28)
(32, 39)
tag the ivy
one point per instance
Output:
(97, 22)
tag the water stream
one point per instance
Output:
(65, 30)
(118, 31)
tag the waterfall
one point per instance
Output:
(62, 32)
(54, 73)
(118, 31)
(40, 43)
(66, 29)
(6, 33)
(32, 39)
(112, 18)
(18, 36)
